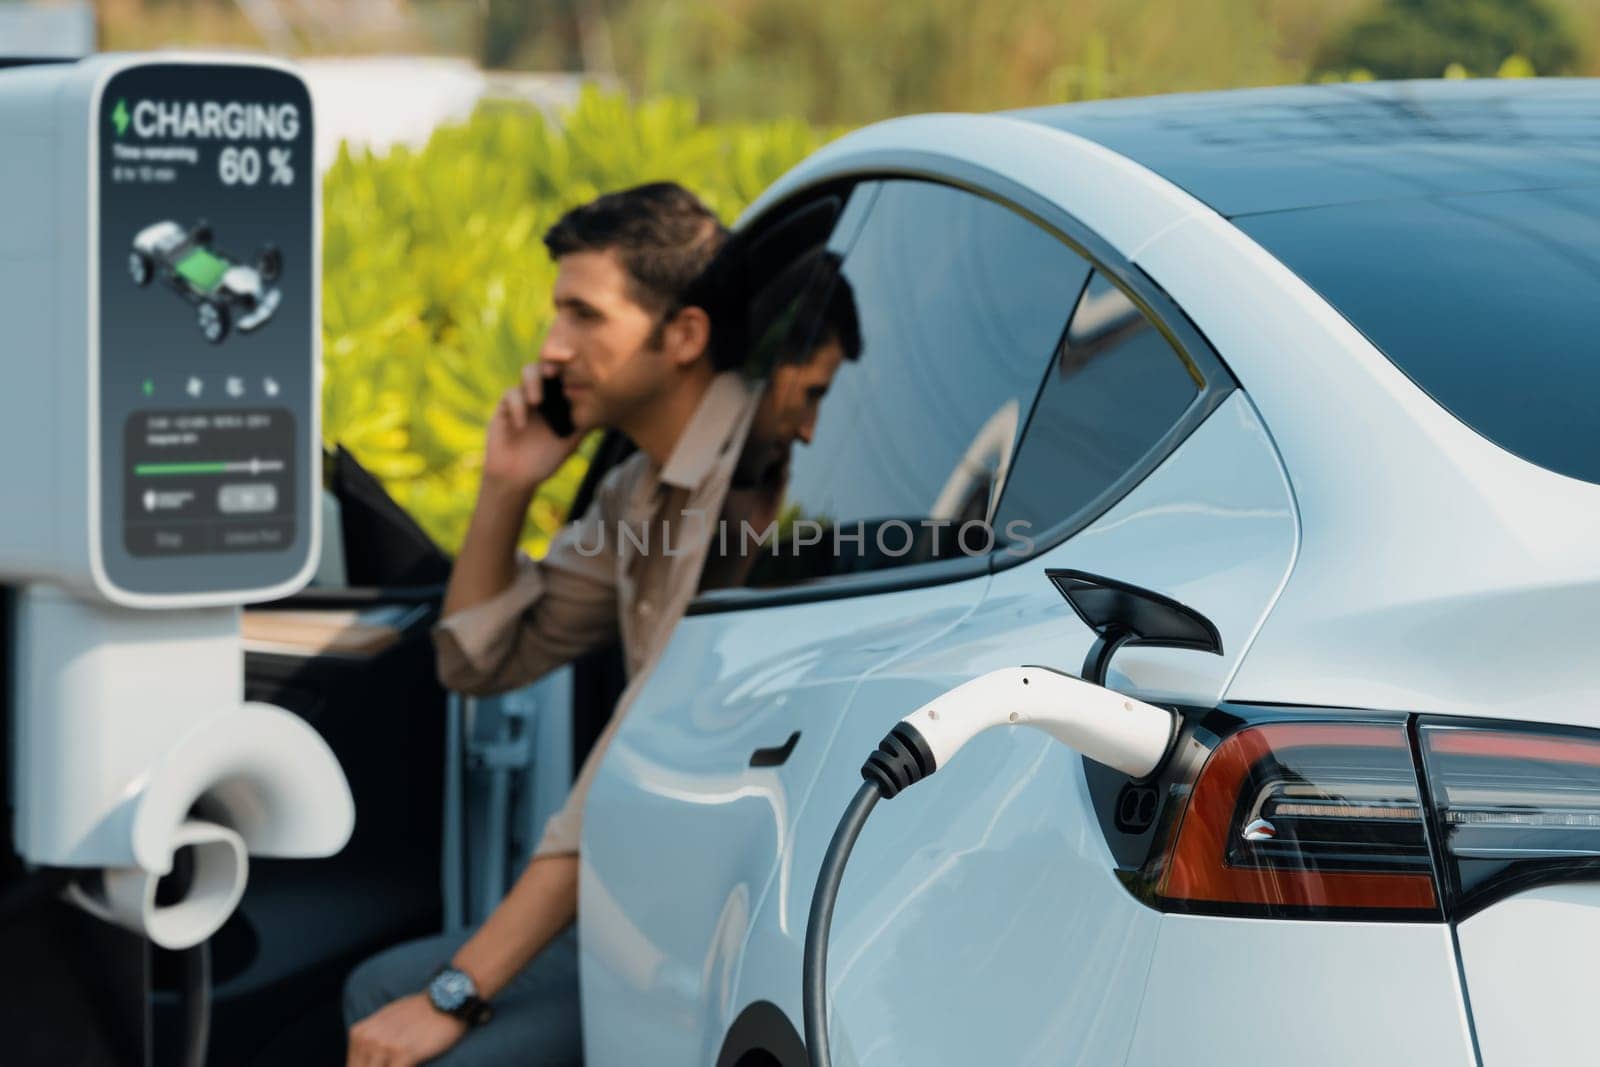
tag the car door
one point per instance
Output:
(982, 919)
(959, 302)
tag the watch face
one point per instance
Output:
(450, 990)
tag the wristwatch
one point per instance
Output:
(453, 992)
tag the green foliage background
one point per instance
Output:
(437, 286)
(858, 62)
(833, 61)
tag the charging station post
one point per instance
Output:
(159, 292)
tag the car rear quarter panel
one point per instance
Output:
(1529, 962)
(1437, 572)
(1314, 994)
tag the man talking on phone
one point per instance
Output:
(631, 353)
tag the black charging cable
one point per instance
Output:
(196, 1004)
(816, 958)
(195, 990)
(902, 760)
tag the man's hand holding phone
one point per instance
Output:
(530, 435)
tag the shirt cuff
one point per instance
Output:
(472, 644)
(562, 832)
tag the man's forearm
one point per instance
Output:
(540, 905)
(487, 562)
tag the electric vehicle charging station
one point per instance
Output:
(164, 472)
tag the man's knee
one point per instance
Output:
(395, 972)
(363, 990)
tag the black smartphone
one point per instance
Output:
(554, 408)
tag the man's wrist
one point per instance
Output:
(500, 489)
(453, 992)
(459, 963)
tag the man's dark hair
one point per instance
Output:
(662, 233)
(809, 304)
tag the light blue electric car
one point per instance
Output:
(1320, 364)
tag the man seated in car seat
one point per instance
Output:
(505, 626)
(632, 354)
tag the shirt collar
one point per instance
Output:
(710, 429)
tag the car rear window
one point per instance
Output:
(202, 269)
(1490, 303)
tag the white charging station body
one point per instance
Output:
(160, 287)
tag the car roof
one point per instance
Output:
(1246, 151)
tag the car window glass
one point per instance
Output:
(775, 300)
(926, 343)
(1115, 387)
(1490, 303)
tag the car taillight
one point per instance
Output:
(1513, 806)
(1311, 820)
(1331, 819)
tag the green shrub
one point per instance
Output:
(437, 287)
(1421, 38)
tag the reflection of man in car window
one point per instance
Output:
(631, 347)
(806, 327)
(803, 327)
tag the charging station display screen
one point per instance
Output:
(206, 245)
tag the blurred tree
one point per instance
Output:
(1421, 38)
(838, 62)
(519, 33)
(570, 35)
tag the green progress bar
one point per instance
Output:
(180, 468)
(237, 466)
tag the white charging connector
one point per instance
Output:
(1104, 725)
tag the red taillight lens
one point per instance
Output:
(1413, 820)
(1306, 820)
(1515, 807)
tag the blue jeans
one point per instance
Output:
(536, 1022)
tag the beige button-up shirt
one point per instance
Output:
(628, 567)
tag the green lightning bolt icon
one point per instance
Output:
(119, 117)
